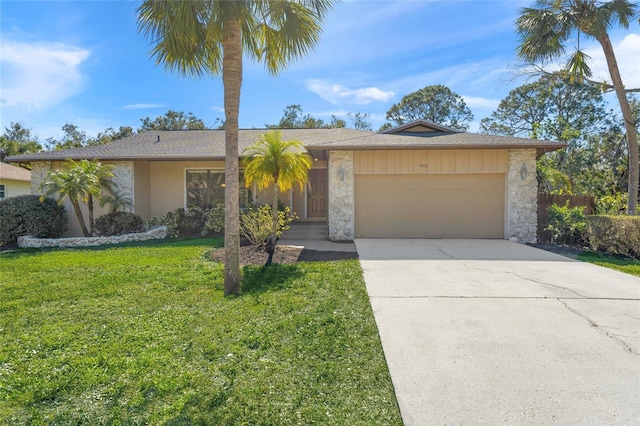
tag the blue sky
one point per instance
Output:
(83, 62)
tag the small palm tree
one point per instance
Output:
(102, 174)
(281, 164)
(117, 201)
(73, 180)
(546, 28)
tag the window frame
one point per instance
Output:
(248, 198)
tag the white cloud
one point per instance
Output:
(143, 106)
(336, 93)
(627, 53)
(477, 102)
(40, 75)
(217, 109)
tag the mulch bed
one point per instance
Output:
(284, 255)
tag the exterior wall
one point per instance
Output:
(522, 196)
(13, 188)
(341, 195)
(167, 183)
(431, 161)
(141, 189)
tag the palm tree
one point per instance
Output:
(272, 161)
(102, 174)
(72, 181)
(209, 37)
(117, 201)
(544, 30)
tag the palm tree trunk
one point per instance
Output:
(90, 207)
(76, 208)
(232, 81)
(629, 124)
(274, 210)
(273, 238)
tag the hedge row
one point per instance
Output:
(615, 234)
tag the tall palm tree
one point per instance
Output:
(72, 180)
(272, 161)
(209, 37)
(546, 28)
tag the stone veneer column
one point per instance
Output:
(39, 172)
(522, 196)
(341, 195)
(123, 178)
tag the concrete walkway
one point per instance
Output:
(494, 332)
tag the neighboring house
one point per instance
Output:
(14, 181)
(419, 180)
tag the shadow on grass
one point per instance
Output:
(259, 279)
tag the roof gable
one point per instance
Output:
(420, 126)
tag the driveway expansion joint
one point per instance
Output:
(533, 280)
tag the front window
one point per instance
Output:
(205, 188)
(3, 193)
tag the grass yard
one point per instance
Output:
(618, 263)
(141, 334)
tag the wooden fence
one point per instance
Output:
(546, 200)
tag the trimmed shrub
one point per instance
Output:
(214, 220)
(182, 223)
(118, 223)
(615, 234)
(567, 224)
(27, 215)
(256, 223)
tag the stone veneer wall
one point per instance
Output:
(31, 242)
(123, 178)
(341, 196)
(39, 172)
(522, 196)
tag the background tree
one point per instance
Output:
(208, 37)
(360, 121)
(294, 118)
(73, 137)
(17, 140)
(110, 134)
(544, 32)
(172, 120)
(555, 108)
(281, 164)
(437, 104)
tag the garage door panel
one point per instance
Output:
(430, 206)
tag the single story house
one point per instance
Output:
(418, 180)
(14, 181)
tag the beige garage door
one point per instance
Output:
(430, 206)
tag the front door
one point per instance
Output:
(317, 193)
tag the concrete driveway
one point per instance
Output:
(494, 332)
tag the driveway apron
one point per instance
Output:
(495, 332)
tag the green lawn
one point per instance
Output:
(628, 266)
(141, 334)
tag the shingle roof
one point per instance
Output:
(209, 144)
(9, 172)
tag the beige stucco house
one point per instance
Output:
(419, 180)
(14, 181)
